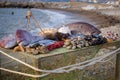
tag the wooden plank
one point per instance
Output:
(118, 67)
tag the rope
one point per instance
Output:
(29, 15)
(28, 24)
(37, 23)
(24, 74)
(53, 71)
(62, 69)
(49, 71)
(43, 75)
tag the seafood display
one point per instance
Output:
(70, 36)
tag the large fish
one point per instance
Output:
(8, 42)
(24, 38)
(83, 28)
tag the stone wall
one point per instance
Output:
(33, 4)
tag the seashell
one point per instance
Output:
(82, 43)
(67, 42)
(48, 33)
(77, 42)
(74, 47)
(86, 44)
(73, 42)
(35, 52)
(64, 46)
(69, 47)
(43, 49)
(18, 48)
(109, 40)
(93, 39)
(79, 46)
(38, 48)
(79, 38)
(75, 39)
(29, 50)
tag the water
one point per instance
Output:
(47, 18)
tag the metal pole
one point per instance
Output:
(117, 72)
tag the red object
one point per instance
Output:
(55, 45)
